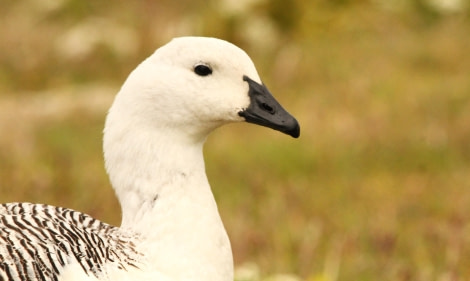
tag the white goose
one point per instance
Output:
(153, 139)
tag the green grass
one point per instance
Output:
(376, 188)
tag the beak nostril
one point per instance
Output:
(264, 110)
(267, 108)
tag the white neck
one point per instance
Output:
(160, 180)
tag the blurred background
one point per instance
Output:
(376, 188)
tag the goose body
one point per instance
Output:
(153, 140)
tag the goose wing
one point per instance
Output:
(38, 241)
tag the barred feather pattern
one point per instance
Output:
(38, 241)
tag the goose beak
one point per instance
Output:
(264, 110)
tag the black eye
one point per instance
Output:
(202, 70)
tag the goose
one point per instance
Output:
(153, 140)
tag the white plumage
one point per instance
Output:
(153, 138)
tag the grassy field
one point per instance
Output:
(376, 188)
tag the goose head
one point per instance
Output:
(196, 84)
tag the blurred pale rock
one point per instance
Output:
(236, 7)
(261, 32)
(80, 40)
(247, 272)
(447, 6)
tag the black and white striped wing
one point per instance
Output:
(38, 241)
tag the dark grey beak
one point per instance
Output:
(264, 110)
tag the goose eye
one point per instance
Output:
(202, 70)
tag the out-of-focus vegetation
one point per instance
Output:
(376, 188)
